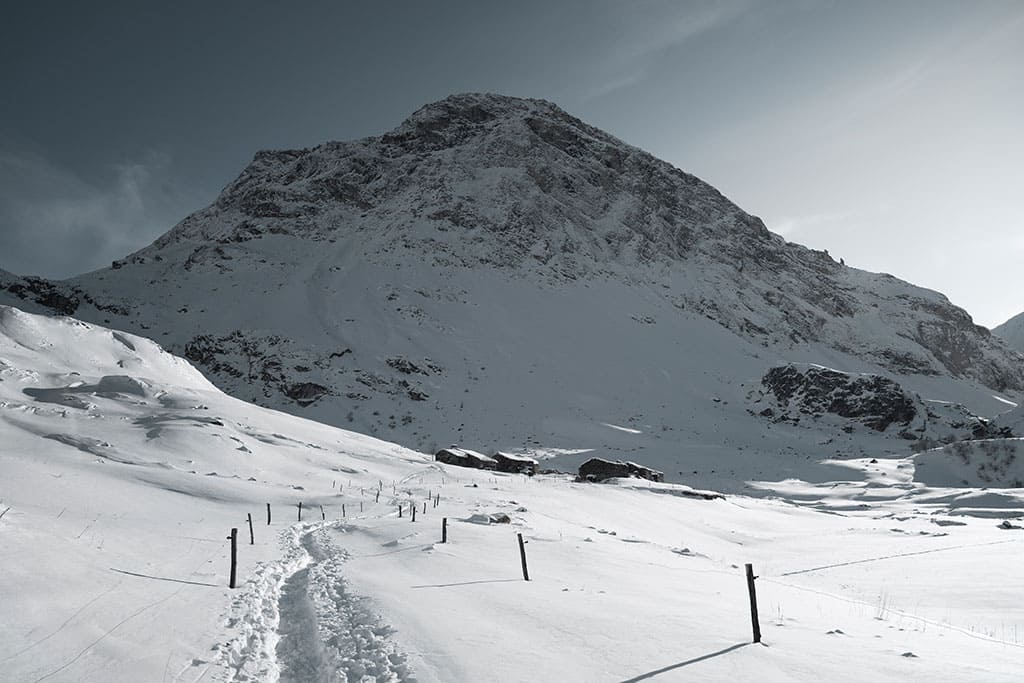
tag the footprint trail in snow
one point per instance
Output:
(297, 621)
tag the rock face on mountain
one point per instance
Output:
(496, 269)
(793, 394)
(1012, 332)
(876, 401)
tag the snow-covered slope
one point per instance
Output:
(1012, 331)
(498, 273)
(123, 470)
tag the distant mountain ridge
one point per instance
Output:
(1012, 332)
(495, 269)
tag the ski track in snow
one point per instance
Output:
(296, 621)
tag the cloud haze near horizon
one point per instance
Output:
(887, 133)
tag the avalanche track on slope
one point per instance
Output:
(297, 621)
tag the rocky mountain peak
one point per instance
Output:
(457, 118)
(486, 180)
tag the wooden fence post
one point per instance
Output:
(300, 511)
(412, 506)
(343, 513)
(399, 510)
(252, 538)
(753, 603)
(444, 530)
(234, 556)
(323, 515)
(376, 499)
(424, 507)
(268, 514)
(522, 556)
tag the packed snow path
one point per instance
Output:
(299, 622)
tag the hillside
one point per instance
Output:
(498, 273)
(124, 470)
(1012, 332)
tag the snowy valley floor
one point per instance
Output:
(123, 471)
(627, 584)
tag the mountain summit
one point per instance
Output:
(498, 272)
(514, 181)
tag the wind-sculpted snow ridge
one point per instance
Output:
(296, 621)
(498, 273)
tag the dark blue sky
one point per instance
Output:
(886, 132)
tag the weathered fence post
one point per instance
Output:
(444, 530)
(300, 511)
(412, 506)
(399, 510)
(360, 506)
(234, 556)
(424, 507)
(343, 513)
(522, 556)
(323, 515)
(268, 514)
(753, 603)
(376, 499)
(252, 538)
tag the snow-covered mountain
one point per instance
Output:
(1012, 332)
(499, 273)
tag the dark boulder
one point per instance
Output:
(305, 393)
(598, 469)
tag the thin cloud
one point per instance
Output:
(792, 227)
(649, 28)
(57, 224)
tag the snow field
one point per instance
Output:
(625, 583)
(115, 559)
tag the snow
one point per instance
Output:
(1007, 401)
(526, 460)
(541, 281)
(470, 454)
(118, 531)
(1012, 331)
(628, 430)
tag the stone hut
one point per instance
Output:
(517, 464)
(463, 457)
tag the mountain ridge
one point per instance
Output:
(374, 284)
(1012, 332)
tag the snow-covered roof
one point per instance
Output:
(467, 453)
(518, 458)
